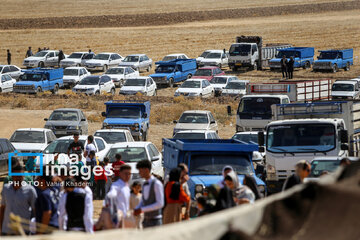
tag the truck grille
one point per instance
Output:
(60, 127)
(159, 79)
(23, 87)
(120, 126)
(321, 64)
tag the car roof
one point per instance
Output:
(74, 68)
(208, 67)
(217, 51)
(175, 54)
(197, 131)
(238, 80)
(1, 65)
(197, 111)
(211, 50)
(130, 144)
(137, 55)
(353, 82)
(196, 79)
(139, 77)
(106, 53)
(67, 109)
(112, 130)
(33, 129)
(79, 52)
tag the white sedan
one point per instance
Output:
(219, 82)
(143, 85)
(235, 88)
(76, 59)
(195, 88)
(12, 70)
(73, 75)
(7, 83)
(120, 74)
(103, 61)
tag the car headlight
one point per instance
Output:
(73, 127)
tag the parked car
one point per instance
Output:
(12, 70)
(73, 75)
(219, 83)
(196, 120)
(60, 147)
(208, 73)
(76, 59)
(5, 148)
(95, 85)
(67, 121)
(133, 152)
(46, 58)
(252, 138)
(202, 56)
(138, 62)
(6, 83)
(175, 56)
(32, 140)
(218, 58)
(195, 88)
(334, 59)
(143, 85)
(196, 134)
(119, 74)
(345, 90)
(112, 136)
(235, 88)
(103, 61)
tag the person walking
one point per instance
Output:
(152, 200)
(283, 63)
(61, 56)
(18, 198)
(290, 67)
(89, 147)
(8, 56)
(28, 53)
(302, 170)
(107, 168)
(175, 197)
(100, 183)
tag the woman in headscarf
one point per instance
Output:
(242, 194)
(225, 171)
(175, 197)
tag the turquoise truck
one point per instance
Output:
(334, 59)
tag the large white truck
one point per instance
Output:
(249, 52)
(303, 131)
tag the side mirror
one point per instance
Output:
(344, 147)
(229, 110)
(175, 121)
(144, 115)
(45, 119)
(343, 136)
(156, 158)
(83, 120)
(103, 114)
(212, 122)
(261, 139)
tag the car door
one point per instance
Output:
(3, 86)
(127, 73)
(224, 59)
(10, 81)
(6, 70)
(50, 59)
(14, 72)
(116, 59)
(147, 87)
(206, 88)
(153, 86)
(141, 63)
(101, 147)
(102, 85)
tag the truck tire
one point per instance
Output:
(155, 93)
(307, 65)
(41, 64)
(234, 69)
(347, 67)
(56, 89)
(112, 91)
(171, 82)
(38, 90)
(188, 76)
(335, 68)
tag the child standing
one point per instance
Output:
(100, 183)
(135, 198)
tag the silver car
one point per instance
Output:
(11, 70)
(139, 62)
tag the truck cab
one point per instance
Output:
(254, 111)
(243, 55)
(303, 57)
(345, 90)
(131, 115)
(333, 60)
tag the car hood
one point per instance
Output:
(97, 61)
(115, 75)
(62, 123)
(205, 60)
(132, 88)
(75, 60)
(128, 63)
(27, 83)
(188, 90)
(193, 126)
(343, 93)
(218, 85)
(85, 86)
(202, 77)
(70, 77)
(34, 58)
(124, 121)
(29, 146)
(160, 74)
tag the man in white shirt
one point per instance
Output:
(122, 189)
(89, 147)
(152, 200)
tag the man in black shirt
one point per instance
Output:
(283, 63)
(8, 57)
(302, 171)
(290, 67)
(28, 53)
(76, 147)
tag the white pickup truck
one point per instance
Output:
(303, 131)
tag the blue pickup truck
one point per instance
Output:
(131, 115)
(303, 57)
(174, 71)
(40, 80)
(334, 59)
(207, 158)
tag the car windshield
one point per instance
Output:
(60, 146)
(342, 87)
(136, 82)
(213, 55)
(70, 72)
(203, 72)
(239, 49)
(191, 84)
(32, 77)
(128, 154)
(131, 59)
(328, 55)
(235, 85)
(64, 116)
(256, 108)
(296, 138)
(288, 54)
(204, 54)
(213, 164)
(124, 112)
(93, 80)
(75, 55)
(169, 58)
(248, 138)
(28, 137)
(200, 118)
(189, 135)
(219, 80)
(112, 137)
(40, 54)
(115, 71)
(102, 57)
(165, 69)
(317, 167)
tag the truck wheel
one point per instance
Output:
(148, 68)
(188, 76)
(105, 68)
(112, 91)
(41, 64)
(171, 82)
(234, 69)
(38, 90)
(335, 68)
(307, 65)
(347, 67)
(56, 89)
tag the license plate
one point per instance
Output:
(238, 64)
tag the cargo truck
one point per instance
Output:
(249, 52)
(345, 90)
(333, 60)
(303, 131)
(303, 57)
